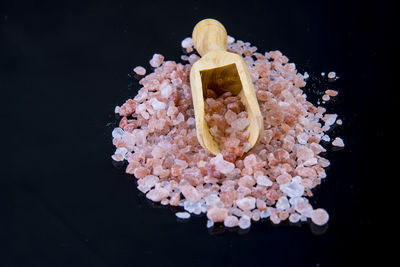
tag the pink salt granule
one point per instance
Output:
(139, 70)
(157, 138)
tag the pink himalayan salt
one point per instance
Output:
(139, 70)
(222, 165)
(190, 193)
(157, 194)
(331, 92)
(247, 203)
(289, 124)
(156, 60)
(338, 142)
(319, 216)
(216, 214)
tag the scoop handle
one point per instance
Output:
(208, 35)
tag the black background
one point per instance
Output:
(63, 69)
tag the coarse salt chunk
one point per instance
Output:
(190, 193)
(338, 142)
(331, 75)
(182, 215)
(217, 214)
(263, 180)
(187, 43)
(139, 70)
(244, 222)
(222, 165)
(319, 216)
(231, 221)
(158, 105)
(157, 194)
(240, 124)
(292, 189)
(247, 203)
(210, 223)
(156, 60)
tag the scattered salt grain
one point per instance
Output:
(182, 215)
(319, 216)
(331, 75)
(338, 142)
(156, 60)
(139, 70)
(339, 122)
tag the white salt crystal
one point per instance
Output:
(116, 110)
(191, 121)
(182, 215)
(231, 221)
(157, 194)
(166, 90)
(158, 105)
(117, 133)
(297, 179)
(263, 180)
(265, 214)
(292, 189)
(230, 39)
(339, 122)
(306, 75)
(222, 165)
(331, 118)
(338, 142)
(210, 223)
(331, 75)
(326, 138)
(302, 138)
(157, 60)
(294, 217)
(247, 203)
(322, 74)
(283, 203)
(187, 42)
(244, 222)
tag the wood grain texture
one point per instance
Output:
(210, 40)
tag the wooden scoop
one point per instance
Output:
(220, 71)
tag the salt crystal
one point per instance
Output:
(263, 180)
(326, 98)
(222, 165)
(283, 203)
(117, 132)
(156, 60)
(244, 222)
(326, 138)
(182, 215)
(139, 70)
(331, 75)
(338, 142)
(330, 119)
(322, 74)
(319, 216)
(157, 194)
(292, 189)
(187, 42)
(166, 90)
(190, 193)
(216, 214)
(306, 75)
(339, 122)
(230, 39)
(247, 203)
(231, 221)
(157, 105)
(294, 217)
(210, 223)
(240, 124)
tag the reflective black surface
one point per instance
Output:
(63, 69)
